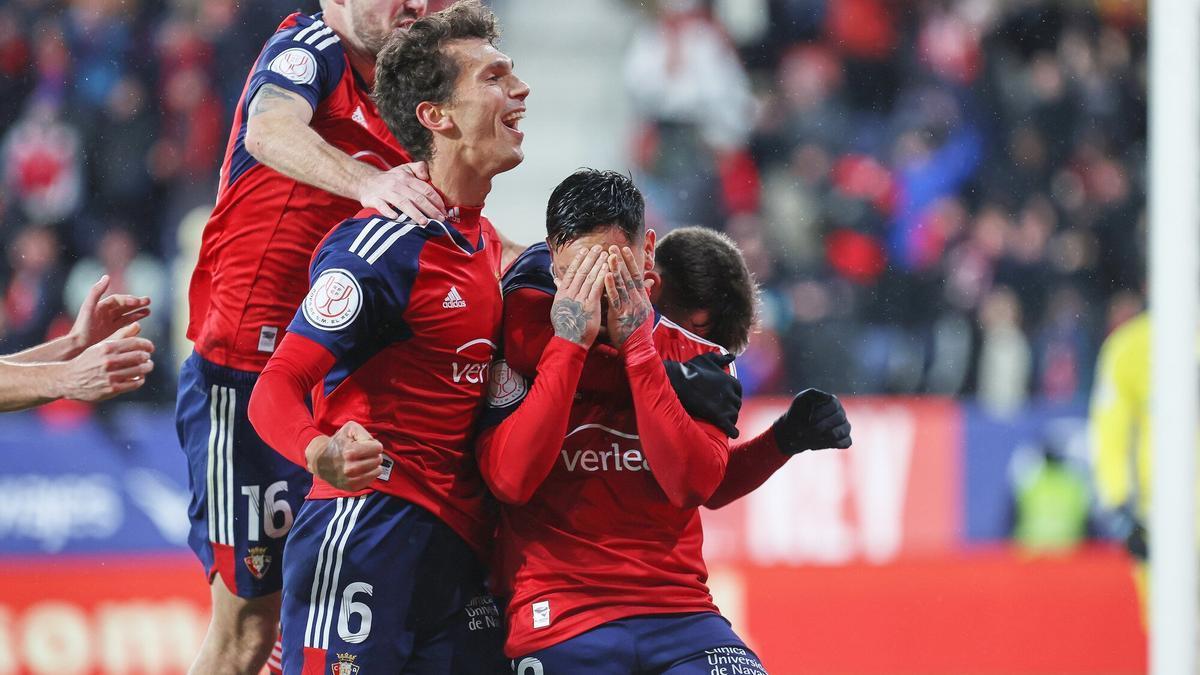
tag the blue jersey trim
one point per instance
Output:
(382, 257)
(531, 269)
(327, 64)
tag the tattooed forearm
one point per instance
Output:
(569, 319)
(269, 96)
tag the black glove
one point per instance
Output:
(708, 392)
(1127, 528)
(815, 420)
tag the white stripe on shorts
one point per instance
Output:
(316, 597)
(231, 416)
(337, 570)
(219, 497)
(211, 465)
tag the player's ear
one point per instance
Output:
(553, 266)
(648, 264)
(654, 285)
(432, 117)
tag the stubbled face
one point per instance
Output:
(487, 108)
(373, 21)
(643, 255)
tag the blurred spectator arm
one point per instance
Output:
(98, 319)
(26, 385)
(104, 370)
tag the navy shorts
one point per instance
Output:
(659, 644)
(244, 494)
(376, 584)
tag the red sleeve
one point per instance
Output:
(517, 455)
(686, 457)
(278, 409)
(750, 465)
(527, 332)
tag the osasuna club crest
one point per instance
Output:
(345, 665)
(258, 561)
(333, 301)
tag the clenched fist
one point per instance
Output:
(349, 460)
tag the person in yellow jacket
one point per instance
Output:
(1119, 426)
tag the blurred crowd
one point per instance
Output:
(113, 121)
(937, 196)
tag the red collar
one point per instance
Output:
(464, 217)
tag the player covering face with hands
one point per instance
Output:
(599, 539)
(700, 281)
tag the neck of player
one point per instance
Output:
(363, 64)
(458, 181)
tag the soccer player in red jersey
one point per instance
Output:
(600, 536)
(383, 569)
(701, 282)
(307, 149)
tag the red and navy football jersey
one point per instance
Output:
(598, 539)
(412, 317)
(262, 232)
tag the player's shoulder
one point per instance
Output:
(531, 269)
(301, 43)
(306, 31)
(372, 241)
(676, 342)
(1128, 347)
(1134, 330)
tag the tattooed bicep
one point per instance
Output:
(274, 97)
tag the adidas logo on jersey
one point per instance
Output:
(454, 300)
(358, 116)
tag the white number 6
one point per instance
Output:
(349, 607)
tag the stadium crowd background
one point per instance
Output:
(937, 197)
(942, 197)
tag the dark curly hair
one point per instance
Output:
(703, 269)
(414, 67)
(590, 199)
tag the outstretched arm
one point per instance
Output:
(813, 421)
(750, 465)
(97, 319)
(104, 370)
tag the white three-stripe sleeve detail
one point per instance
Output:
(316, 596)
(376, 237)
(316, 25)
(363, 235)
(324, 32)
(388, 243)
(326, 42)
